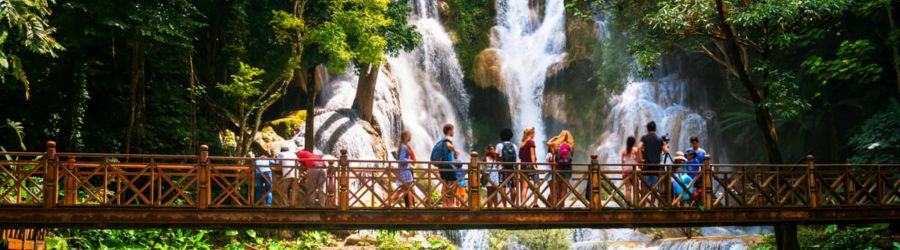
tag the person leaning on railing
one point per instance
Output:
(263, 178)
(315, 178)
(290, 173)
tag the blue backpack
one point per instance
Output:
(441, 153)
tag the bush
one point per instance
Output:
(833, 237)
(532, 239)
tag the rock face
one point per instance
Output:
(488, 70)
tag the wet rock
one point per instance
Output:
(488, 70)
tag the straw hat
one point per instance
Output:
(680, 156)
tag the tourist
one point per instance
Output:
(461, 188)
(695, 156)
(630, 161)
(290, 173)
(491, 176)
(508, 153)
(652, 147)
(315, 178)
(681, 180)
(563, 148)
(444, 151)
(263, 178)
(528, 157)
(405, 174)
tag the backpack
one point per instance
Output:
(440, 152)
(564, 154)
(508, 154)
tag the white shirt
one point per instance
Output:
(499, 149)
(288, 161)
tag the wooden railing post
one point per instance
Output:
(50, 175)
(811, 182)
(594, 182)
(344, 182)
(329, 185)
(707, 184)
(474, 183)
(71, 193)
(203, 189)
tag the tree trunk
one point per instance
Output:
(890, 14)
(764, 119)
(136, 94)
(365, 91)
(312, 91)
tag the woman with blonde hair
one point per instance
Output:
(527, 156)
(563, 148)
(404, 153)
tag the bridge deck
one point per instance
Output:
(78, 189)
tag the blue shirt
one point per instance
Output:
(696, 162)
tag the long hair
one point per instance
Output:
(564, 137)
(405, 137)
(529, 131)
(629, 144)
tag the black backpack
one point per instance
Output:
(508, 154)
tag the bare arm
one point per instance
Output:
(533, 155)
(451, 148)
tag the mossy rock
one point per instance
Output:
(289, 125)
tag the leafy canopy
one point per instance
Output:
(24, 29)
(245, 83)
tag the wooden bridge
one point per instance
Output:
(56, 189)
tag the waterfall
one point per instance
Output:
(663, 100)
(431, 84)
(529, 41)
(419, 91)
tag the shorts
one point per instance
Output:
(565, 171)
(651, 179)
(448, 175)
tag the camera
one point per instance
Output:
(666, 138)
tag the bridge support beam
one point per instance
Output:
(786, 237)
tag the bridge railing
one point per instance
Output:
(52, 179)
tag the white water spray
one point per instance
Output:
(529, 41)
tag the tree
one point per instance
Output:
(399, 35)
(751, 40)
(255, 95)
(353, 31)
(24, 30)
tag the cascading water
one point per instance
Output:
(662, 101)
(428, 79)
(431, 83)
(529, 40)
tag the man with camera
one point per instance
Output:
(651, 150)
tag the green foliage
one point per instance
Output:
(24, 29)
(390, 240)
(850, 64)
(877, 140)
(531, 239)
(352, 34)
(162, 239)
(399, 34)
(470, 21)
(783, 93)
(245, 83)
(834, 237)
(286, 26)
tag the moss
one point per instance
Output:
(470, 22)
(289, 125)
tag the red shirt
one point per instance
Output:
(306, 155)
